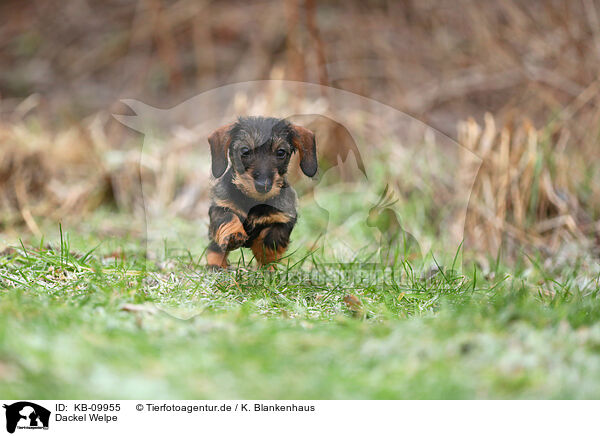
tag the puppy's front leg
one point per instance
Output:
(226, 233)
(271, 243)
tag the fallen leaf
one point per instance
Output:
(137, 308)
(354, 305)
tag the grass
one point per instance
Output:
(87, 324)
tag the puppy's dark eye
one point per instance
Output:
(245, 151)
(281, 153)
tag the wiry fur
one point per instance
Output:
(252, 203)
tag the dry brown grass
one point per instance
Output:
(60, 175)
(527, 191)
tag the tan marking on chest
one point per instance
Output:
(277, 217)
(227, 204)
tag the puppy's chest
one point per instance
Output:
(265, 216)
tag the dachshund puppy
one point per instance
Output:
(252, 204)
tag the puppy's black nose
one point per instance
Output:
(263, 185)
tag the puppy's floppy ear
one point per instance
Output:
(219, 141)
(304, 141)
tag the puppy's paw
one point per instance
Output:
(233, 240)
(231, 235)
(215, 260)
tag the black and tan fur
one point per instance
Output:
(253, 205)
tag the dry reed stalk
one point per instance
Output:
(518, 199)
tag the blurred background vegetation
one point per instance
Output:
(84, 315)
(515, 81)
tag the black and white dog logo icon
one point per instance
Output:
(26, 415)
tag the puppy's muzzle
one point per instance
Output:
(262, 183)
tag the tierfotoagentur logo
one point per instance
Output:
(25, 415)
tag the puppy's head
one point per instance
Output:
(259, 150)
